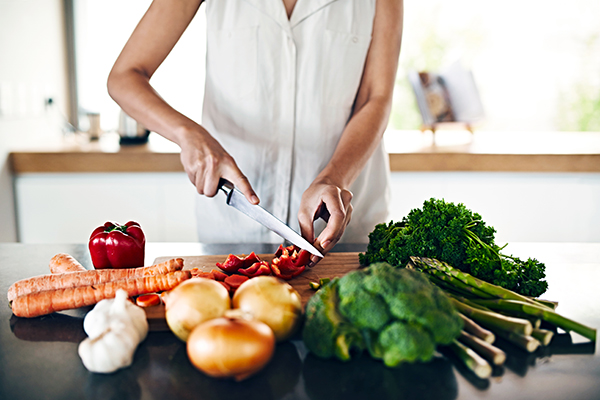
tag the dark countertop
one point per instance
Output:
(38, 357)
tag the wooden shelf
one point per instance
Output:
(408, 151)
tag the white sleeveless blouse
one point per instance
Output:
(278, 95)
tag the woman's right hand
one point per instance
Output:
(205, 161)
(203, 158)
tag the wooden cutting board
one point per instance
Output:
(333, 265)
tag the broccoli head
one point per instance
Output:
(363, 309)
(396, 314)
(326, 332)
(405, 341)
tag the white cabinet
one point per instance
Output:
(523, 207)
(66, 208)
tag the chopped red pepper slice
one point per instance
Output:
(289, 262)
(218, 275)
(256, 269)
(234, 281)
(282, 248)
(233, 263)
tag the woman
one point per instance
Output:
(297, 97)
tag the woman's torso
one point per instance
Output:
(278, 95)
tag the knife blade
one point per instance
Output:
(237, 200)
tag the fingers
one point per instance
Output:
(331, 203)
(340, 213)
(207, 164)
(305, 220)
(243, 184)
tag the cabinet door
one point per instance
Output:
(66, 208)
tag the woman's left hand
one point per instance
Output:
(326, 200)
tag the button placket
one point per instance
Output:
(285, 158)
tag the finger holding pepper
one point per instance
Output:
(117, 246)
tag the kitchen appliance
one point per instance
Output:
(130, 131)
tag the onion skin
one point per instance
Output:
(193, 302)
(231, 347)
(272, 301)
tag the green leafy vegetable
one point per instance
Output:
(397, 315)
(452, 233)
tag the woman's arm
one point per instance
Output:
(328, 196)
(203, 158)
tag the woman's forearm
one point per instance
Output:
(361, 137)
(129, 81)
(373, 102)
(131, 89)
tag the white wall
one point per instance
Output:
(32, 68)
(523, 207)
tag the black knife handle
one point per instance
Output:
(226, 186)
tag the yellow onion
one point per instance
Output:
(228, 347)
(272, 301)
(193, 302)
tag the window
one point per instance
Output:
(536, 63)
(102, 29)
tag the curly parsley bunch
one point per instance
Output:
(452, 233)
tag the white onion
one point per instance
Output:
(193, 302)
(272, 301)
(231, 347)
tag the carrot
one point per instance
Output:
(49, 301)
(93, 277)
(63, 262)
(148, 300)
(197, 272)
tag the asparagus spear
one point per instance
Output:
(459, 284)
(445, 286)
(426, 264)
(494, 320)
(526, 342)
(543, 335)
(471, 359)
(486, 350)
(542, 313)
(476, 330)
(548, 303)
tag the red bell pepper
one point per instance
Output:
(289, 262)
(117, 246)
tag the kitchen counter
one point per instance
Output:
(408, 151)
(38, 357)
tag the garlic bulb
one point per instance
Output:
(115, 328)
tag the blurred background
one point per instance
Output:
(536, 65)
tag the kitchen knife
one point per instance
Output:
(237, 200)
